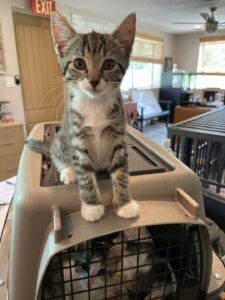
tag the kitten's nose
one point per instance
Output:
(94, 83)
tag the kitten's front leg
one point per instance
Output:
(68, 175)
(124, 205)
(61, 157)
(91, 207)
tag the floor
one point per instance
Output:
(156, 131)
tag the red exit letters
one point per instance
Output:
(42, 7)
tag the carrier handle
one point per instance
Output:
(188, 203)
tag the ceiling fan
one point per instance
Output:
(211, 24)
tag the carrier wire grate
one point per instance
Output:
(149, 263)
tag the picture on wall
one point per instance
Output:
(2, 59)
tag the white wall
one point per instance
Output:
(12, 94)
(186, 50)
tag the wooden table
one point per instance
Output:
(186, 112)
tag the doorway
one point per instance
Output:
(39, 70)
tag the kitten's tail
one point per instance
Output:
(39, 146)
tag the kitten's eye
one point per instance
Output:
(79, 64)
(101, 272)
(85, 266)
(109, 64)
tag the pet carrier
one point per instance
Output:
(54, 253)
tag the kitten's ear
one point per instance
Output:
(116, 251)
(125, 33)
(62, 32)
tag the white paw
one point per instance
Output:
(129, 210)
(92, 213)
(68, 175)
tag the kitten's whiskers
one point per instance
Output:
(49, 92)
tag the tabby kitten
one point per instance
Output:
(92, 134)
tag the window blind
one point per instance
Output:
(208, 39)
(147, 48)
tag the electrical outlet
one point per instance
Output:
(9, 81)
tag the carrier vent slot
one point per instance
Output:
(140, 163)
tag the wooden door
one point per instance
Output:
(39, 71)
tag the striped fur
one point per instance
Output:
(92, 135)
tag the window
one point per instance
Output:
(209, 81)
(212, 55)
(146, 63)
(138, 75)
(211, 61)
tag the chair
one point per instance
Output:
(148, 107)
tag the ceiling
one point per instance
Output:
(156, 13)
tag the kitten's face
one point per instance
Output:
(96, 272)
(95, 66)
(93, 63)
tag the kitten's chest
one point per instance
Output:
(95, 117)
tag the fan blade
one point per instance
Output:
(205, 16)
(196, 23)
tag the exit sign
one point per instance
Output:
(42, 7)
